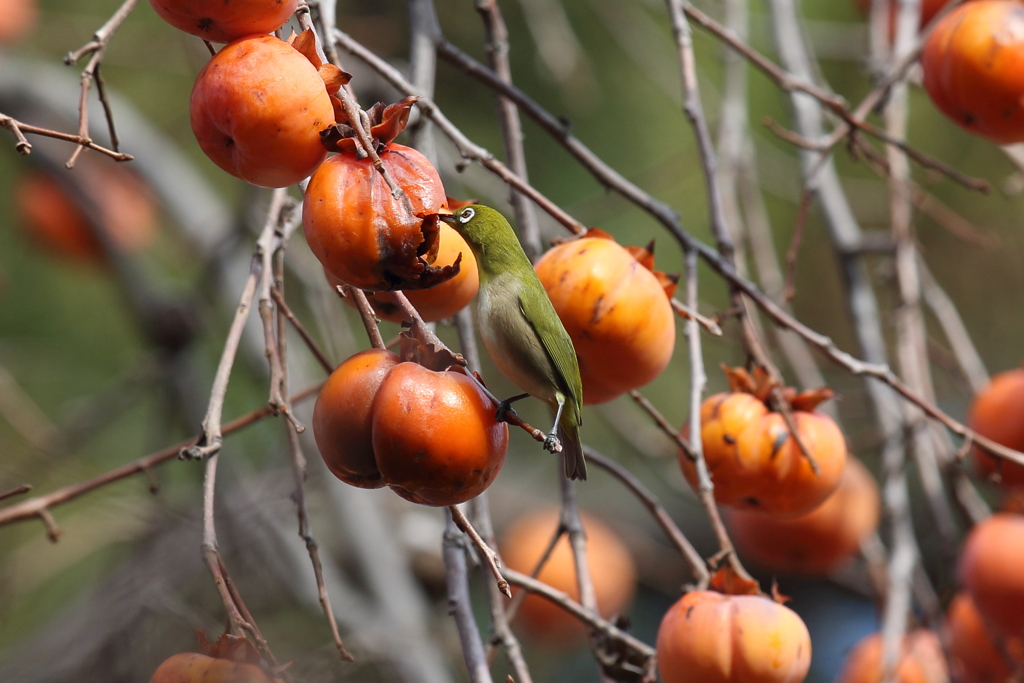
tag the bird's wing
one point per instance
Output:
(556, 342)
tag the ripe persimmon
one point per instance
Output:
(921, 660)
(435, 436)
(436, 303)
(997, 412)
(974, 68)
(362, 233)
(257, 109)
(976, 654)
(342, 423)
(57, 222)
(991, 565)
(192, 667)
(754, 461)
(222, 22)
(708, 637)
(611, 567)
(615, 309)
(17, 19)
(819, 541)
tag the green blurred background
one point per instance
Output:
(74, 347)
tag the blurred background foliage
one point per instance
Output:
(106, 395)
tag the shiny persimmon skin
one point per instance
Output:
(257, 109)
(722, 418)
(435, 435)
(436, 303)
(818, 542)
(921, 660)
(973, 655)
(997, 412)
(992, 571)
(616, 312)
(191, 667)
(974, 68)
(709, 637)
(342, 423)
(222, 22)
(58, 223)
(611, 567)
(17, 19)
(353, 225)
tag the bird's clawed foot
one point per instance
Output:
(504, 410)
(552, 444)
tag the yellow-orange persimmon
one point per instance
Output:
(973, 66)
(992, 571)
(818, 542)
(435, 436)
(997, 412)
(121, 202)
(921, 660)
(257, 109)
(974, 656)
(709, 637)
(358, 229)
(222, 22)
(192, 667)
(754, 461)
(436, 303)
(342, 423)
(615, 309)
(611, 566)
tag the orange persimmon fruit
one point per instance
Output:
(436, 303)
(222, 22)
(997, 413)
(435, 436)
(976, 654)
(821, 540)
(363, 234)
(192, 667)
(973, 64)
(257, 109)
(992, 571)
(56, 221)
(616, 310)
(754, 461)
(921, 660)
(708, 637)
(342, 423)
(609, 560)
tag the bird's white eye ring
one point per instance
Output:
(467, 214)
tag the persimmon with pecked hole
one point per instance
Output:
(360, 231)
(754, 461)
(990, 569)
(435, 437)
(816, 543)
(611, 567)
(973, 65)
(436, 303)
(616, 309)
(976, 653)
(997, 412)
(708, 637)
(257, 109)
(342, 417)
(921, 660)
(57, 222)
(222, 22)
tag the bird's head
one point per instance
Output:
(479, 225)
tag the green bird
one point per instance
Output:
(521, 331)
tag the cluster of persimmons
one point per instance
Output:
(272, 113)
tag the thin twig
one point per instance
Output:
(297, 324)
(460, 605)
(23, 146)
(663, 424)
(486, 552)
(685, 312)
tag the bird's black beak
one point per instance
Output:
(449, 218)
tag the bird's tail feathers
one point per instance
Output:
(572, 452)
